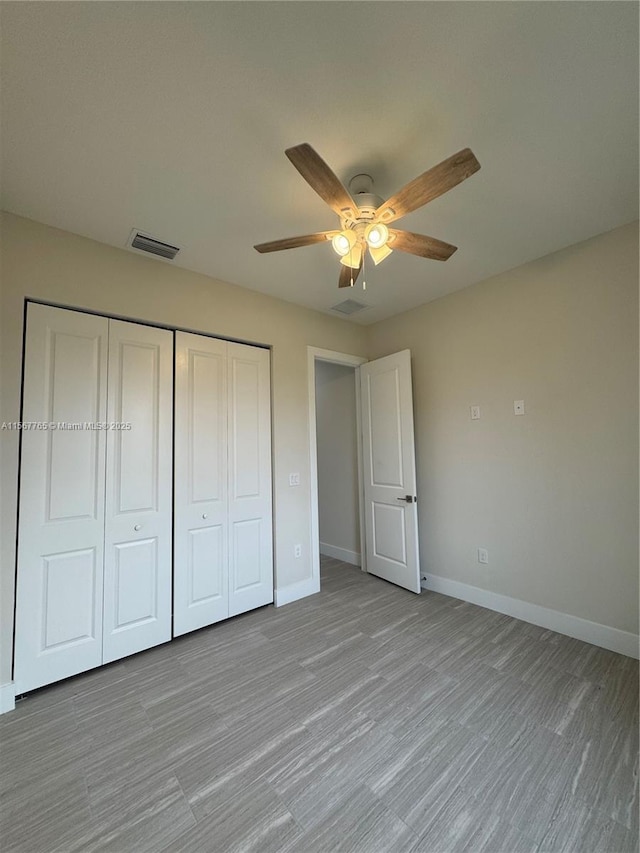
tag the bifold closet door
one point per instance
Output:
(249, 454)
(201, 578)
(138, 518)
(223, 563)
(62, 487)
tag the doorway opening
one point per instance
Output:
(334, 419)
(387, 493)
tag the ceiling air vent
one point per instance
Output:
(349, 306)
(145, 243)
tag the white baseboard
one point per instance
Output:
(287, 594)
(613, 639)
(7, 697)
(340, 554)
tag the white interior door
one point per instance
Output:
(60, 540)
(391, 516)
(201, 587)
(250, 523)
(139, 511)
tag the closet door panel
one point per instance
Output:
(62, 479)
(207, 570)
(247, 541)
(136, 583)
(250, 553)
(138, 524)
(201, 526)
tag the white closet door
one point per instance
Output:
(137, 580)
(201, 587)
(250, 526)
(60, 541)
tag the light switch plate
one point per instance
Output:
(294, 479)
(518, 407)
(475, 413)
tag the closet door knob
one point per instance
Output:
(137, 526)
(204, 514)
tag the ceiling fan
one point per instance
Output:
(365, 218)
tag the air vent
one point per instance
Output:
(145, 243)
(349, 306)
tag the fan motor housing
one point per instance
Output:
(367, 203)
(361, 189)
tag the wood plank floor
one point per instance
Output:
(362, 719)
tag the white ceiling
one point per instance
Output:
(173, 118)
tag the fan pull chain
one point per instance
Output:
(364, 283)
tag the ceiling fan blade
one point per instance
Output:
(429, 185)
(320, 178)
(295, 242)
(419, 244)
(346, 274)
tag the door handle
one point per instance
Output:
(204, 514)
(137, 526)
(408, 499)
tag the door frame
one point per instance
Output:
(316, 354)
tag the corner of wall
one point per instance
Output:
(293, 592)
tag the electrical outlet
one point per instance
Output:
(297, 550)
(518, 407)
(475, 413)
(294, 479)
(483, 556)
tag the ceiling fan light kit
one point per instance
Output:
(379, 254)
(364, 217)
(343, 242)
(376, 235)
(354, 258)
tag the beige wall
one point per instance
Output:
(48, 264)
(337, 456)
(552, 495)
